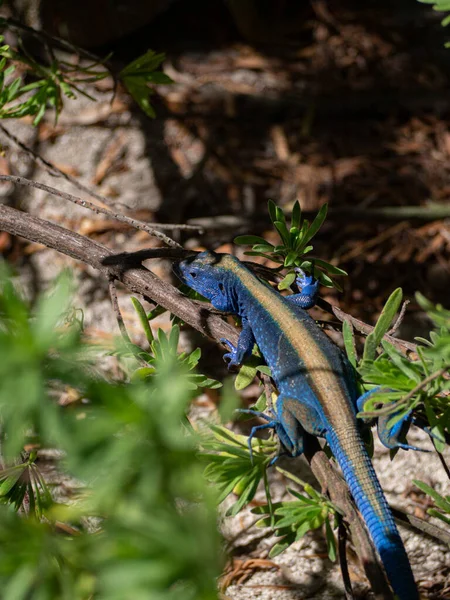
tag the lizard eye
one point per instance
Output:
(221, 288)
(193, 274)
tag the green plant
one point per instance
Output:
(420, 385)
(30, 87)
(294, 246)
(442, 502)
(139, 74)
(292, 520)
(50, 83)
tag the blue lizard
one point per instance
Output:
(317, 392)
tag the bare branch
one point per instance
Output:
(421, 526)
(138, 280)
(94, 207)
(57, 172)
(400, 318)
(342, 542)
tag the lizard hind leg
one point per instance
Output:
(295, 418)
(289, 431)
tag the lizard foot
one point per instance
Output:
(307, 283)
(232, 358)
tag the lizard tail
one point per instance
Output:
(349, 450)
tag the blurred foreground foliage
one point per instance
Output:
(141, 523)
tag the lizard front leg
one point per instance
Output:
(244, 347)
(309, 286)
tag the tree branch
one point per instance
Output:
(94, 207)
(138, 280)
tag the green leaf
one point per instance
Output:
(296, 215)
(317, 223)
(280, 547)
(435, 513)
(264, 369)
(331, 541)
(327, 266)
(12, 89)
(287, 281)
(244, 378)
(262, 248)
(141, 94)
(283, 232)
(349, 343)
(272, 207)
(290, 258)
(250, 240)
(388, 313)
(261, 404)
(142, 318)
(440, 501)
(147, 62)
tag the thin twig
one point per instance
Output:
(55, 171)
(342, 542)
(268, 388)
(390, 408)
(117, 312)
(400, 318)
(420, 525)
(94, 207)
(443, 463)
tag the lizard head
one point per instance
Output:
(210, 275)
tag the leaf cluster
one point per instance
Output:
(442, 502)
(30, 87)
(49, 84)
(164, 349)
(294, 246)
(292, 520)
(408, 384)
(140, 74)
(231, 468)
